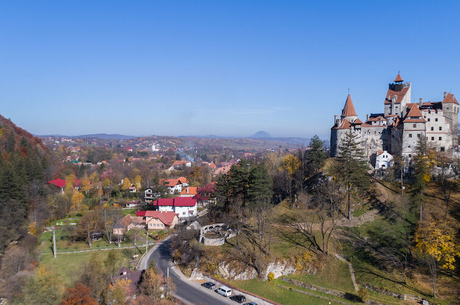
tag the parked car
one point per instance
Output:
(239, 298)
(209, 285)
(224, 290)
(252, 303)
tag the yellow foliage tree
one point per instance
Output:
(69, 184)
(85, 184)
(291, 163)
(126, 184)
(94, 177)
(138, 182)
(77, 198)
(435, 242)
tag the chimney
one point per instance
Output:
(367, 117)
(445, 94)
(335, 119)
(421, 101)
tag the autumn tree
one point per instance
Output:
(423, 167)
(80, 295)
(77, 199)
(126, 184)
(350, 166)
(435, 243)
(151, 287)
(95, 276)
(44, 288)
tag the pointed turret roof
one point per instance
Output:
(348, 109)
(398, 78)
(450, 98)
(414, 111)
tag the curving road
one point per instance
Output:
(187, 291)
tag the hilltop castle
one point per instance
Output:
(401, 125)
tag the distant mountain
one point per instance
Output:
(260, 135)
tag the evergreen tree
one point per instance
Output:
(259, 185)
(315, 156)
(423, 166)
(351, 166)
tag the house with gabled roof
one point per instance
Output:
(184, 207)
(158, 220)
(174, 185)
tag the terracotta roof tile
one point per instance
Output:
(399, 95)
(414, 111)
(348, 109)
(398, 78)
(450, 98)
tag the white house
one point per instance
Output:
(183, 206)
(383, 160)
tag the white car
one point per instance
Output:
(224, 290)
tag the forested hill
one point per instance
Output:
(8, 131)
(23, 162)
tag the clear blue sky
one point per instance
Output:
(217, 67)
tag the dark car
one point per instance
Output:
(209, 285)
(252, 303)
(239, 298)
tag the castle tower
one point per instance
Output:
(450, 108)
(348, 111)
(398, 96)
(348, 120)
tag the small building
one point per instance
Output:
(158, 220)
(184, 207)
(127, 223)
(383, 160)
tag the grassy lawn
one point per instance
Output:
(278, 294)
(69, 266)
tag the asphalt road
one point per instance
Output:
(187, 291)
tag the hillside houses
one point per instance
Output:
(184, 207)
(174, 186)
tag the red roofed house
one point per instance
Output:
(189, 191)
(127, 223)
(183, 206)
(401, 125)
(158, 220)
(60, 183)
(175, 185)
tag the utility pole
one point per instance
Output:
(54, 243)
(147, 241)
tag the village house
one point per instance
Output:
(158, 220)
(184, 207)
(174, 186)
(190, 191)
(127, 223)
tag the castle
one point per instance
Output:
(401, 125)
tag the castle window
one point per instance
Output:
(442, 149)
(440, 138)
(432, 128)
(415, 125)
(410, 135)
(408, 146)
(418, 135)
(436, 119)
(440, 127)
(428, 119)
(432, 138)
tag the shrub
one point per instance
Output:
(363, 293)
(271, 276)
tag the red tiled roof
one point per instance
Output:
(165, 202)
(348, 109)
(399, 95)
(165, 217)
(398, 78)
(358, 121)
(184, 202)
(450, 98)
(58, 182)
(191, 190)
(414, 111)
(344, 124)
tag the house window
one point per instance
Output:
(410, 135)
(440, 138)
(442, 149)
(183, 213)
(440, 128)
